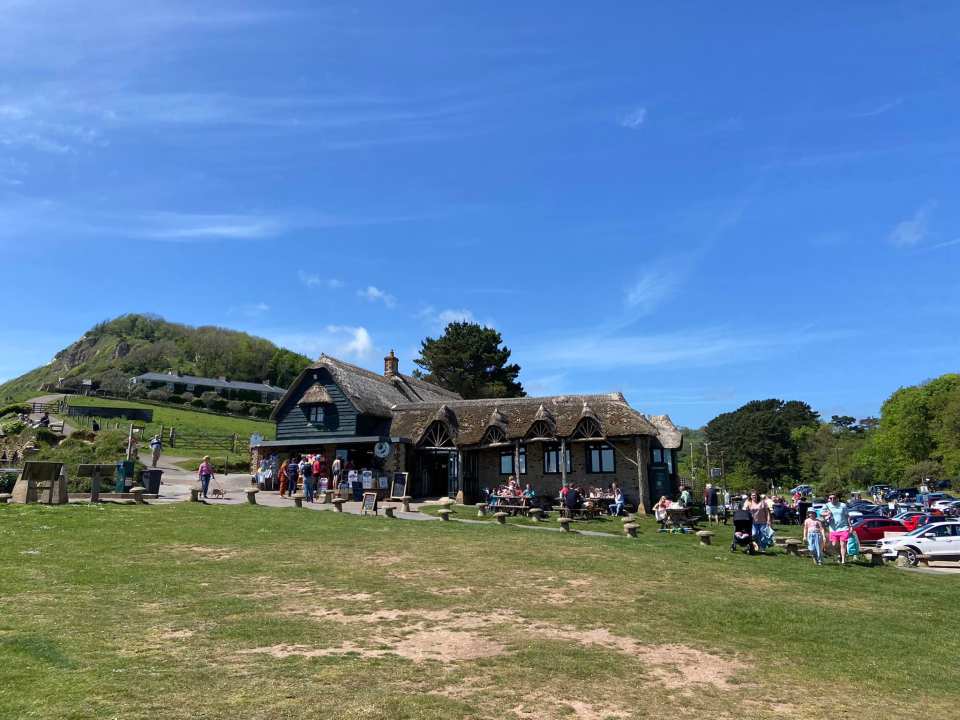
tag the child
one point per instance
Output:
(813, 535)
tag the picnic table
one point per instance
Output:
(512, 504)
(590, 507)
(681, 517)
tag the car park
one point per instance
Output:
(917, 520)
(936, 541)
(804, 490)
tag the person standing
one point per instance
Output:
(335, 468)
(686, 499)
(293, 469)
(282, 476)
(710, 500)
(156, 447)
(760, 515)
(813, 536)
(837, 515)
(306, 472)
(205, 473)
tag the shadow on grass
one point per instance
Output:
(39, 648)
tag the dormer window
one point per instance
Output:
(316, 414)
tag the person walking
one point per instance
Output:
(205, 473)
(156, 447)
(813, 536)
(306, 472)
(837, 515)
(760, 515)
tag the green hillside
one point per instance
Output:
(114, 351)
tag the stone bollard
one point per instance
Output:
(444, 513)
(876, 557)
(793, 546)
(627, 519)
(446, 502)
(565, 523)
(405, 501)
(5, 498)
(501, 517)
(535, 513)
(338, 504)
(137, 493)
(252, 495)
(298, 500)
(389, 511)
(194, 494)
(481, 509)
(630, 529)
(706, 537)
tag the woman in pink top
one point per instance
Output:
(205, 473)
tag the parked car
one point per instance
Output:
(871, 530)
(928, 499)
(917, 520)
(879, 490)
(943, 503)
(804, 490)
(937, 541)
(903, 494)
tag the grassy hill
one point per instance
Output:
(114, 351)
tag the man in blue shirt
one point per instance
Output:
(836, 514)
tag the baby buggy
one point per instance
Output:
(743, 532)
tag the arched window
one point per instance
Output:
(493, 435)
(541, 429)
(588, 427)
(436, 436)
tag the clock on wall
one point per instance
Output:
(382, 449)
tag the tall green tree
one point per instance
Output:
(469, 359)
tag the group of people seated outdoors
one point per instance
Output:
(510, 489)
(574, 498)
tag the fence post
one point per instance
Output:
(173, 436)
(234, 444)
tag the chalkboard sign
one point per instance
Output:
(399, 488)
(369, 503)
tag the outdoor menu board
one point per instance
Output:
(382, 481)
(367, 476)
(399, 488)
(369, 503)
(323, 485)
(352, 477)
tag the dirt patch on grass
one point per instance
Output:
(206, 552)
(579, 709)
(274, 588)
(169, 634)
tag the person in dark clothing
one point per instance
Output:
(572, 500)
(711, 499)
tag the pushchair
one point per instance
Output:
(743, 532)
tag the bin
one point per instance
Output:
(357, 490)
(123, 475)
(151, 481)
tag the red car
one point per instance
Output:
(871, 530)
(915, 521)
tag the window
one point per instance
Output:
(600, 459)
(551, 459)
(657, 455)
(316, 414)
(506, 462)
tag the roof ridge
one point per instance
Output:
(529, 398)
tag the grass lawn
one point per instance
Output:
(193, 611)
(185, 421)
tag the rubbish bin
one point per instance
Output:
(124, 475)
(357, 490)
(151, 481)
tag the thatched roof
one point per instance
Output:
(369, 392)
(316, 395)
(516, 415)
(670, 436)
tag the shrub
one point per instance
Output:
(13, 427)
(237, 407)
(7, 480)
(159, 395)
(260, 410)
(175, 399)
(188, 397)
(197, 403)
(138, 392)
(87, 435)
(218, 405)
(15, 409)
(46, 436)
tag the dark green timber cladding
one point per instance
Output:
(339, 421)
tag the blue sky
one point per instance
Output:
(697, 205)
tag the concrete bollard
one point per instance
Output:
(793, 546)
(405, 501)
(630, 529)
(706, 537)
(565, 523)
(298, 500)
(338, 504)
(389, 511)
(252, 495)
(194, 494)
(501, 518)
(137, 493)
(481, 510)
(535, 513)
(444, 513)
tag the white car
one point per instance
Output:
(943, 504)
(936, 541)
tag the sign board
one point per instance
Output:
(369, 504)
(399, 488)
(367, 476)
(323, 485)
(715, 473)
(352, 477)
(382, 482)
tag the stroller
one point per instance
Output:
(743, 532)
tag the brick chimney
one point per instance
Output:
(391, 365)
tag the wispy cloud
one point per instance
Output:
(348, 341)
(439, 319)
(250, 310)
(692, 348)
(948, 243)
(652, 288)
(633, 119)
(374, 294)
(913, 231)
(316, 280)
(183, 227)
(879, 109)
